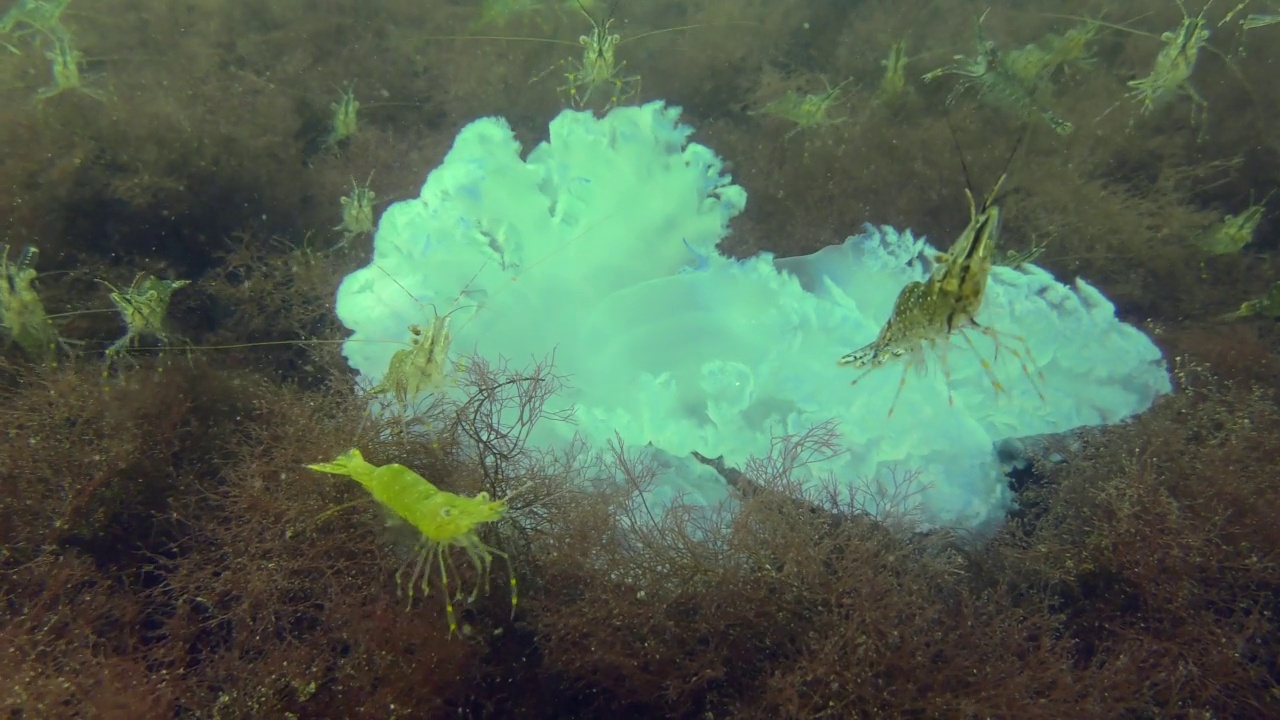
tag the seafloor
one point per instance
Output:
(166, 555)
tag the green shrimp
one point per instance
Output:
(445, 520)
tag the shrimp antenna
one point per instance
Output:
(955, 140)
(964, 166)
(587, 12)
(1017, 145)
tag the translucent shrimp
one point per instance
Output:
(806, 111)
(143, 306)
(22, 316)
(930, 312)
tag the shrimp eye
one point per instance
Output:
(446, 512)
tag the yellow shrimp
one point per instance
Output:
(446, 520)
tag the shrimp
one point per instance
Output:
(930, 311)
(919, 316)
(424, 365)
(1266, 306)
(419, 368)
(806, 111)
(446, 520)
(143, 307)
(357, 212)
(1176, 62)
(42, 15)
(1174, 65)
(894, 82)
(66, 62)
(1234, 231)
(22, 316)
(598, 71)
(344, 118)
(599, 68)
(1000, 82)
